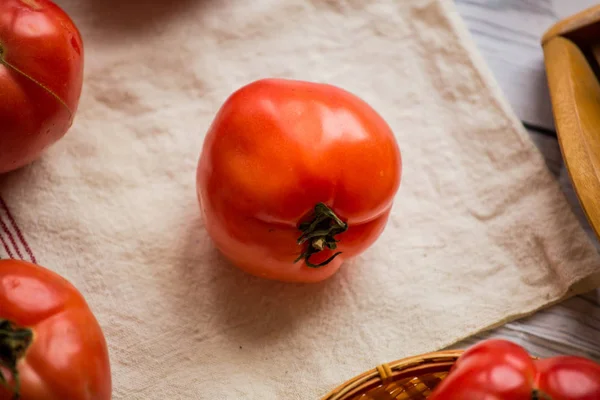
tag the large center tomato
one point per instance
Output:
(51, 346)
(41, 73)
(295, 177)
(501, 370)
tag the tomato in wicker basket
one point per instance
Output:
(501, 370)
(494, 369)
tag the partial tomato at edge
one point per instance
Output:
(569, 378)
(497, 369)
(49, 333)
(41, 77)
(296, 174)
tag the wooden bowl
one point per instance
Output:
(571, 58)
(409, 379)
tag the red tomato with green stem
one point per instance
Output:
(51, 345)
(41, 76)
(295, 177)
(501, 370)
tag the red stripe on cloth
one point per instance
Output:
(19, 232)
(5, 245)
(10, 237)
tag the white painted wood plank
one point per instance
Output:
(567, 187)
(508, 34)
(572, 327)
(549, 148)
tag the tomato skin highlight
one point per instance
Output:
(569, 378)
(68, 356)
(275, 150)
(41, 78)
(497, 369)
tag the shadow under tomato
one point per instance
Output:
(16, 180)
(116, 17)
(246, 309)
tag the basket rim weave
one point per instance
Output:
(384, 373)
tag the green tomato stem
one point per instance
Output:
(537, 394)
(319, 234)
(14, 342)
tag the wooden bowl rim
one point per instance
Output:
(426, 363)
(586, 166)
(576, 21)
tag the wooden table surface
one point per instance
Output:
(507, 33)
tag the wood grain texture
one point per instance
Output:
(575, 92)
(508, 34)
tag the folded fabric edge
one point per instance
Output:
(488, 79)
(582, 286)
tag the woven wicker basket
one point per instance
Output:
(409, 379)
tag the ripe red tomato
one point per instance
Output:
(41, 75)
(295, 177)
(49, 339)
(501, 370)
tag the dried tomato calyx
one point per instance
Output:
(319, 234)
(537, 394)
(14, 342)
